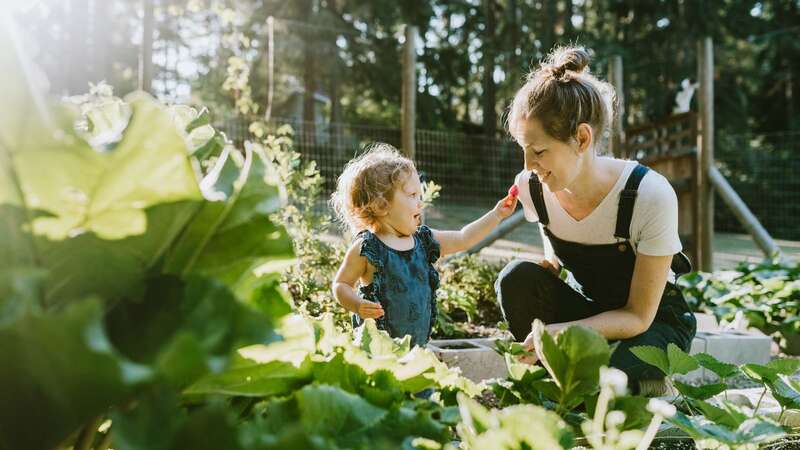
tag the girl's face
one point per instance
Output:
(405, 209)
(555, 162)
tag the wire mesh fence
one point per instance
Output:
(477, 170)
(474, 170)
(763, 169)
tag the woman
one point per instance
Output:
(612, 223)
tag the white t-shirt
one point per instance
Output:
(654, 225)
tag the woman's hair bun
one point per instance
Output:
(574, 59)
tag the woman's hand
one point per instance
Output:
(370, 310)
(552, 329)
(529, 347)
(549, 266)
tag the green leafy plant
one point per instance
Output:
(466, 296)
(766, 295)
(128, 269)
(722, 422)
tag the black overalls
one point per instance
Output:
(527, 291)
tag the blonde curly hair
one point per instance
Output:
(367, 185)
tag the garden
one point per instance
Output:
(166, 286)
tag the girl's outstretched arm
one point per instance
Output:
(471, 234)
(353, 268)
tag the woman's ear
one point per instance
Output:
(584, 137)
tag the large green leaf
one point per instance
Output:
(232, 235)
(750, 431)
(158, 422)
(330, 411)
(679, 361)
(515, 427)
(100, 221)
(257, 380)
(186, 327)
(653, 356)
(703, 392)
(573, 360)
(721, 369)
(59, 370)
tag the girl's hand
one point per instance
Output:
(505, 207)
(370, 310)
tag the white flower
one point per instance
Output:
(615, 419)
(615, 379)
(661, 408)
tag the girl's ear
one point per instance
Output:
(584, 137)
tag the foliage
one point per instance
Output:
(142, 257)
(466, 295)
(712, 423)
(766, 295)
(319, 250)
(128, 268)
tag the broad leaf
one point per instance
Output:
(679, 361)
(721, 369)
(59, 371)
(700, 392)
(653, 356)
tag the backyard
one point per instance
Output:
(172, 263)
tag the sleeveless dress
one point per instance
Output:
(404, 283)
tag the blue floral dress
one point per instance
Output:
(404, 283)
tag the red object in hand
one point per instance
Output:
(513, 192)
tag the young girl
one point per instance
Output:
(379, 196)
(612, 223)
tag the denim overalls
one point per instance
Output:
(527, 291)
(404, 283)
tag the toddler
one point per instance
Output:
(379, 196)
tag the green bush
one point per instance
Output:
(766, 295)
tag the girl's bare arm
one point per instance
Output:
(353, 268)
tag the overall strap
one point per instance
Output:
(535, 188)
(627, 199)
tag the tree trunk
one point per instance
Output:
(309, 77)
(513, 58)
(78, 43)
(146, 50)
(489, 101)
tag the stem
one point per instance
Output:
(601, 409)
(105, 443)
(758, 404)
(688, 406)
(86, 438)
(650, 434)
(725, 392)
(783, 409)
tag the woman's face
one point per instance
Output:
(555, 162)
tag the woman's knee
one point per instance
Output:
(520, 275)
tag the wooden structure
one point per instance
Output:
(669, 147)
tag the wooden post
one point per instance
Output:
(705, 150)
(743, 213)
(146, 50)
(409, 94)
(617, 140)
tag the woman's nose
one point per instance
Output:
(530, 161)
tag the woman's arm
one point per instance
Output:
(647, 286)
(471, 234)
(352, 269)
